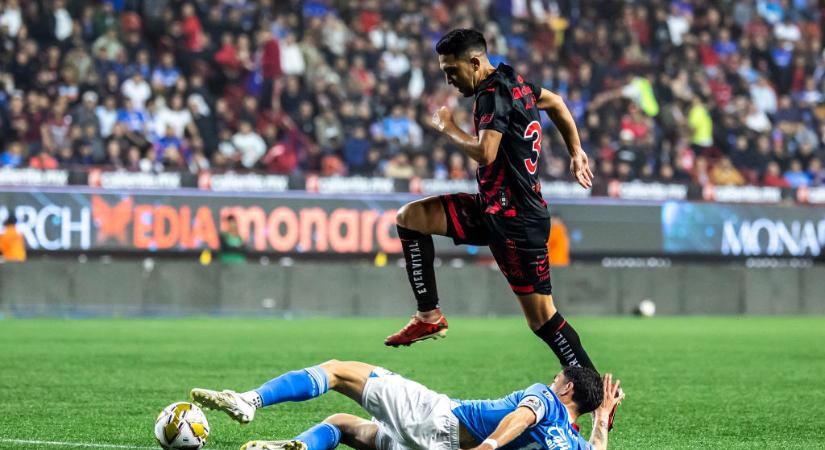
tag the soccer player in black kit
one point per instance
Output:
(508, 214)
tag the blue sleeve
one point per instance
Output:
(540, 400)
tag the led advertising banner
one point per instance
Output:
(742, 230)
(312, 223)
(286, 223)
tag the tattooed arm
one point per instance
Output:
(612, 396)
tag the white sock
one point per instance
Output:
(253, 398)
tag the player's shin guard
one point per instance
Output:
(294, 386)
(323, 436)
(419, 255)
(564, 341)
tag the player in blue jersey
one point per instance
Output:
(408, 415)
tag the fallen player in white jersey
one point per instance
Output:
(408, 415)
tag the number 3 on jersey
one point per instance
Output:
(533, 132)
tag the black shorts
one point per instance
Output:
(518, 244)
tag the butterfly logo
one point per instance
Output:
(111, 221)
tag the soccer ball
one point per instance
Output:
(647, 308)
(181, 426)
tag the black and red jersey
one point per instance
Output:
(510, 186)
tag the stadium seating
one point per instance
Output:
(675, 92)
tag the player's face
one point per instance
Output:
(459, 72)
(560, 384)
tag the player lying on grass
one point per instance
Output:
(407, 415)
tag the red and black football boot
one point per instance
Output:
(418, 330)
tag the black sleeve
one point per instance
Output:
(493, 109)
(536, 91)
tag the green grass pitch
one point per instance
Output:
(691, 383)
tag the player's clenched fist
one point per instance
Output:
(442, 117)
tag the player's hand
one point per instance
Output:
(441, 118)
(580, 168)
(613, 395)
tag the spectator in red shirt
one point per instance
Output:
(773, 176)
(191, 27)
(44, 161)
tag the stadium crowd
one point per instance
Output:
(721, 92)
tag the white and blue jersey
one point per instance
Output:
(552, 430)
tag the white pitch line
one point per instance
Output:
(71, 444)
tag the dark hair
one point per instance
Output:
(587, 387)
(231, 218)
(459, 41)
(11, 220)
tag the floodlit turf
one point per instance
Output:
(691, 382)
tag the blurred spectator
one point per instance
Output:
(816, 172)
(137, 90)
(355, 150)
(700, 123)
(660, 90)
(11, 18)
(85, 114)
(232, 248)
(558, 242)
(795, 176)
(165, 75)
(43, 160)
(174, 116)
(13, 156)
(12, 244)
(724, 174)
(773, 176)
(249, 144)
(399, 167)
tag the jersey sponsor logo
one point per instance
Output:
(556, 439)
(523, 91)
(542, 267)
(485, 119)
(533, 132)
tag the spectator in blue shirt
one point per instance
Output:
(355, 149)
(396, 126)
(725, 46)
(135, 120)
(166, 74)
(795, 176)
(13, 156)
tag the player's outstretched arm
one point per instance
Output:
(483, 148)
(554, 106)
(510, 427)
(601, 416)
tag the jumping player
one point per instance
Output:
(409, 416)
(508, 214)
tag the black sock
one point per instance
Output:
(564, 341)
(419, 254)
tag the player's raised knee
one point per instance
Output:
(417, 215)
(406, 215)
